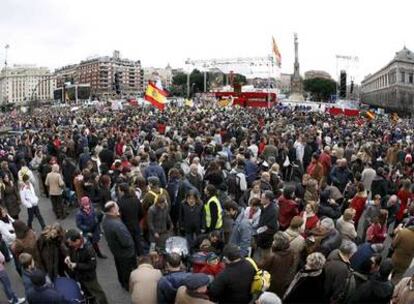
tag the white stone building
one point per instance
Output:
(21, 83)
(392, 87)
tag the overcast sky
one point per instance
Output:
(53, 33)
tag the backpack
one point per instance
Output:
(261, 279)
(350, 285)
(233, 186)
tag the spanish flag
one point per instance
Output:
(370, 115)
(156, 96)
(276, 52)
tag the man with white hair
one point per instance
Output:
(339, 280)
(55, 184)
(268, 298)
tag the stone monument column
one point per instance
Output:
(296, 81)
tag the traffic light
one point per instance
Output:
(342, 84)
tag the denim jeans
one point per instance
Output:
(5, 281)
(32, 212)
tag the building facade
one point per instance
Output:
(20, 84)
(105, 75)
(165, 75)
(392, 87)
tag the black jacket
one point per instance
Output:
(131, 212)
(233, 284)
(268, 217)
(191, 217)
(306, 287)
(375, 290)
(331, 242)
(379, 186)
(337, 275)
(107, 156)
(85, 260)
(118, 237)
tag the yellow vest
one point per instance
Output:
(219, 222)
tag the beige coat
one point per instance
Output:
(403, 245)
(347, 229)
(297, 244)
(402, 293)
(55, 183)
(143, 284)
(183, 298)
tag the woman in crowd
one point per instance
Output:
(87, 220)
(308, 283)
(358, 202)
(310, 219)
(191, 217)
(26, 241)
(10, 197)
(280, 264)
(377, 231)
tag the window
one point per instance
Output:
(410, 78)
(402, 77)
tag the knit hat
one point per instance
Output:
(211, 257)
(153, 180)
(196, 280)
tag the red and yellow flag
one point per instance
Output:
(156, 96)
(276, 52)
(370, 115)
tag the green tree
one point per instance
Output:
(240, 79)
(320, 88)
(179, 83)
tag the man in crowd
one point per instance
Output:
(81, 263)
(120, 243)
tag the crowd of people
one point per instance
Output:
(273, 206)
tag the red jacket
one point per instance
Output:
(377, 233)
(287, 210)
(404, 197)
(326, 161)
(358, 203)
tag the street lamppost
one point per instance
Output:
(6, 48)
(33, 102)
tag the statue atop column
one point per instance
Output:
(296, 81)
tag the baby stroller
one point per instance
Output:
(71, 291)
(178, 244)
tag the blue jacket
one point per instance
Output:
(364, 253)
(45, 295)
(156, 170)
(250, 169)
(27, 282)
(88, 223)
(241, 234)
(168, 285)
(340, 177)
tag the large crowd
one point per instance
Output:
(209, 205)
